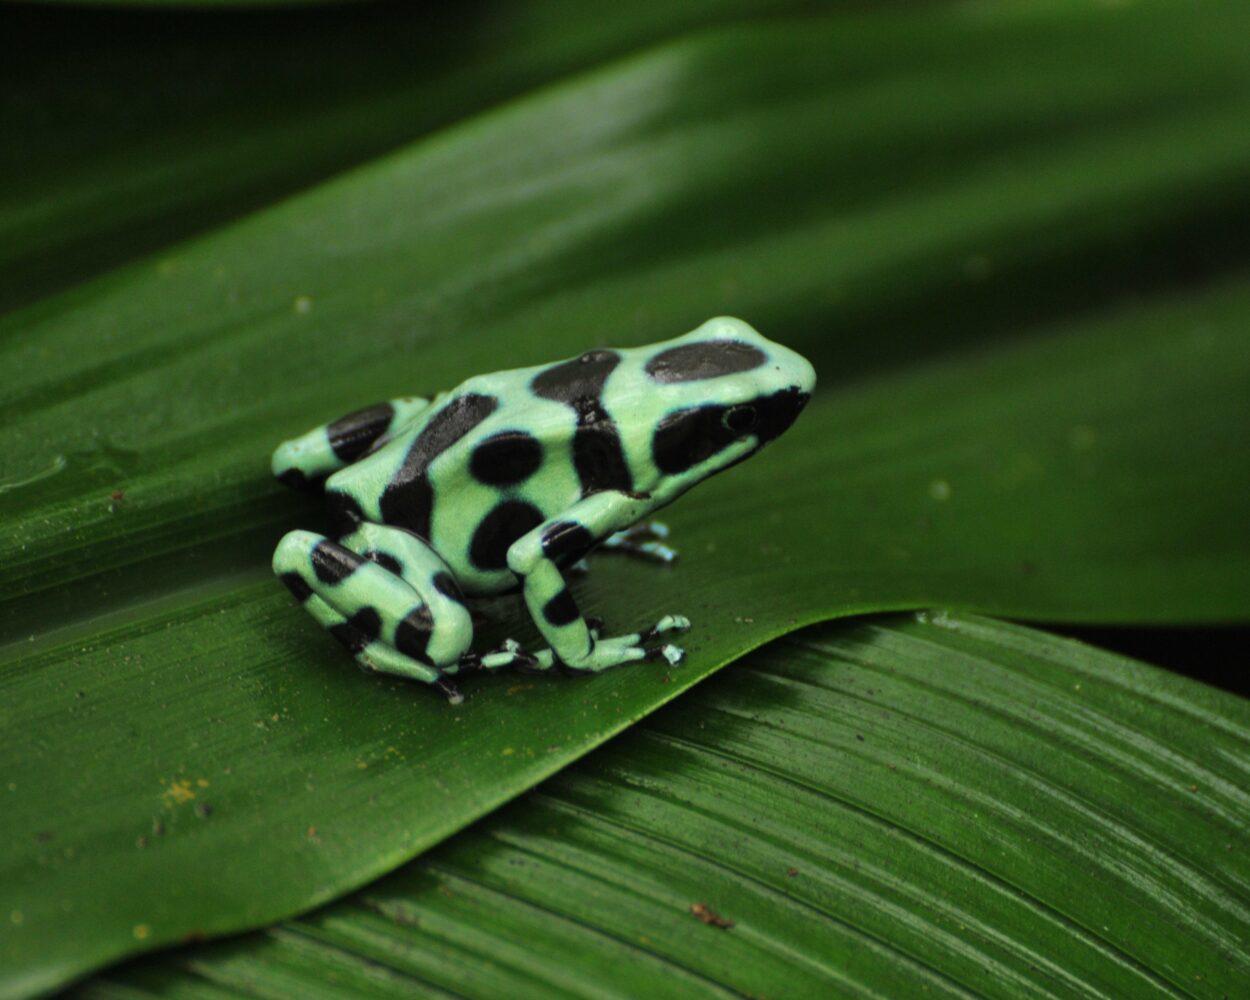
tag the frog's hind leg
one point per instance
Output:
(306, 461)
(386, 595)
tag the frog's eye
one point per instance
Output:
(740, 419)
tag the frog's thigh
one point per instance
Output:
(386, 621)
(533, 558)
(305, 462)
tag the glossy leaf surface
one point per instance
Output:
(186, 754)
(220, 725)
(942, 806)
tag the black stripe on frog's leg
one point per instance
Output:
(345, 513)
(412, 634)
(408, 500)
(333, 563)
(359, 630)
(350, 436)
(561, 609)
(565, 542)
(446, 585)
(387, 561)
(297, 586)
(597, 453)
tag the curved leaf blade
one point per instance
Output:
(529, 231)
(942, 805)
(410, 256)
(235, 731)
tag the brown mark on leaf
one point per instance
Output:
(710, 916)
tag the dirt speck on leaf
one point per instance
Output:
(710, 916)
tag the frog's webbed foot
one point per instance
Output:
(642, 542)
(606, 652)
(510, 653)
(613, 651)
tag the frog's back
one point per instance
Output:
(502, 453)
(488, 462)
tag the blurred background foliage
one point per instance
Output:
(1012, 240)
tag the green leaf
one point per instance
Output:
(938, 806)
(224, 697)
(188, 755)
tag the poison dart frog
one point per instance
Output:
(507, 482)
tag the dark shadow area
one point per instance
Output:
(1215, 656)
(132, 96)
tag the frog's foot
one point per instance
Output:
(641, 541)
(614, 651)
(509, 654)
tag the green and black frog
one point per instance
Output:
(508, 481)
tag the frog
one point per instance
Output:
(507, 482)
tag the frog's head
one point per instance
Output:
(728, 390)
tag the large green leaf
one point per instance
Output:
(932, 806)
(870, 189)
(875, 190)
(218, 764)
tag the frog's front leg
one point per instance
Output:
(306, 461)
(536, 558)
(386, 595)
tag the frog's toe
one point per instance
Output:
(667, 624)
(656, 552)
(612, 653)
(509, 654)
(454, 697)
(672, 655)
(641, 542)
(386, 659)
